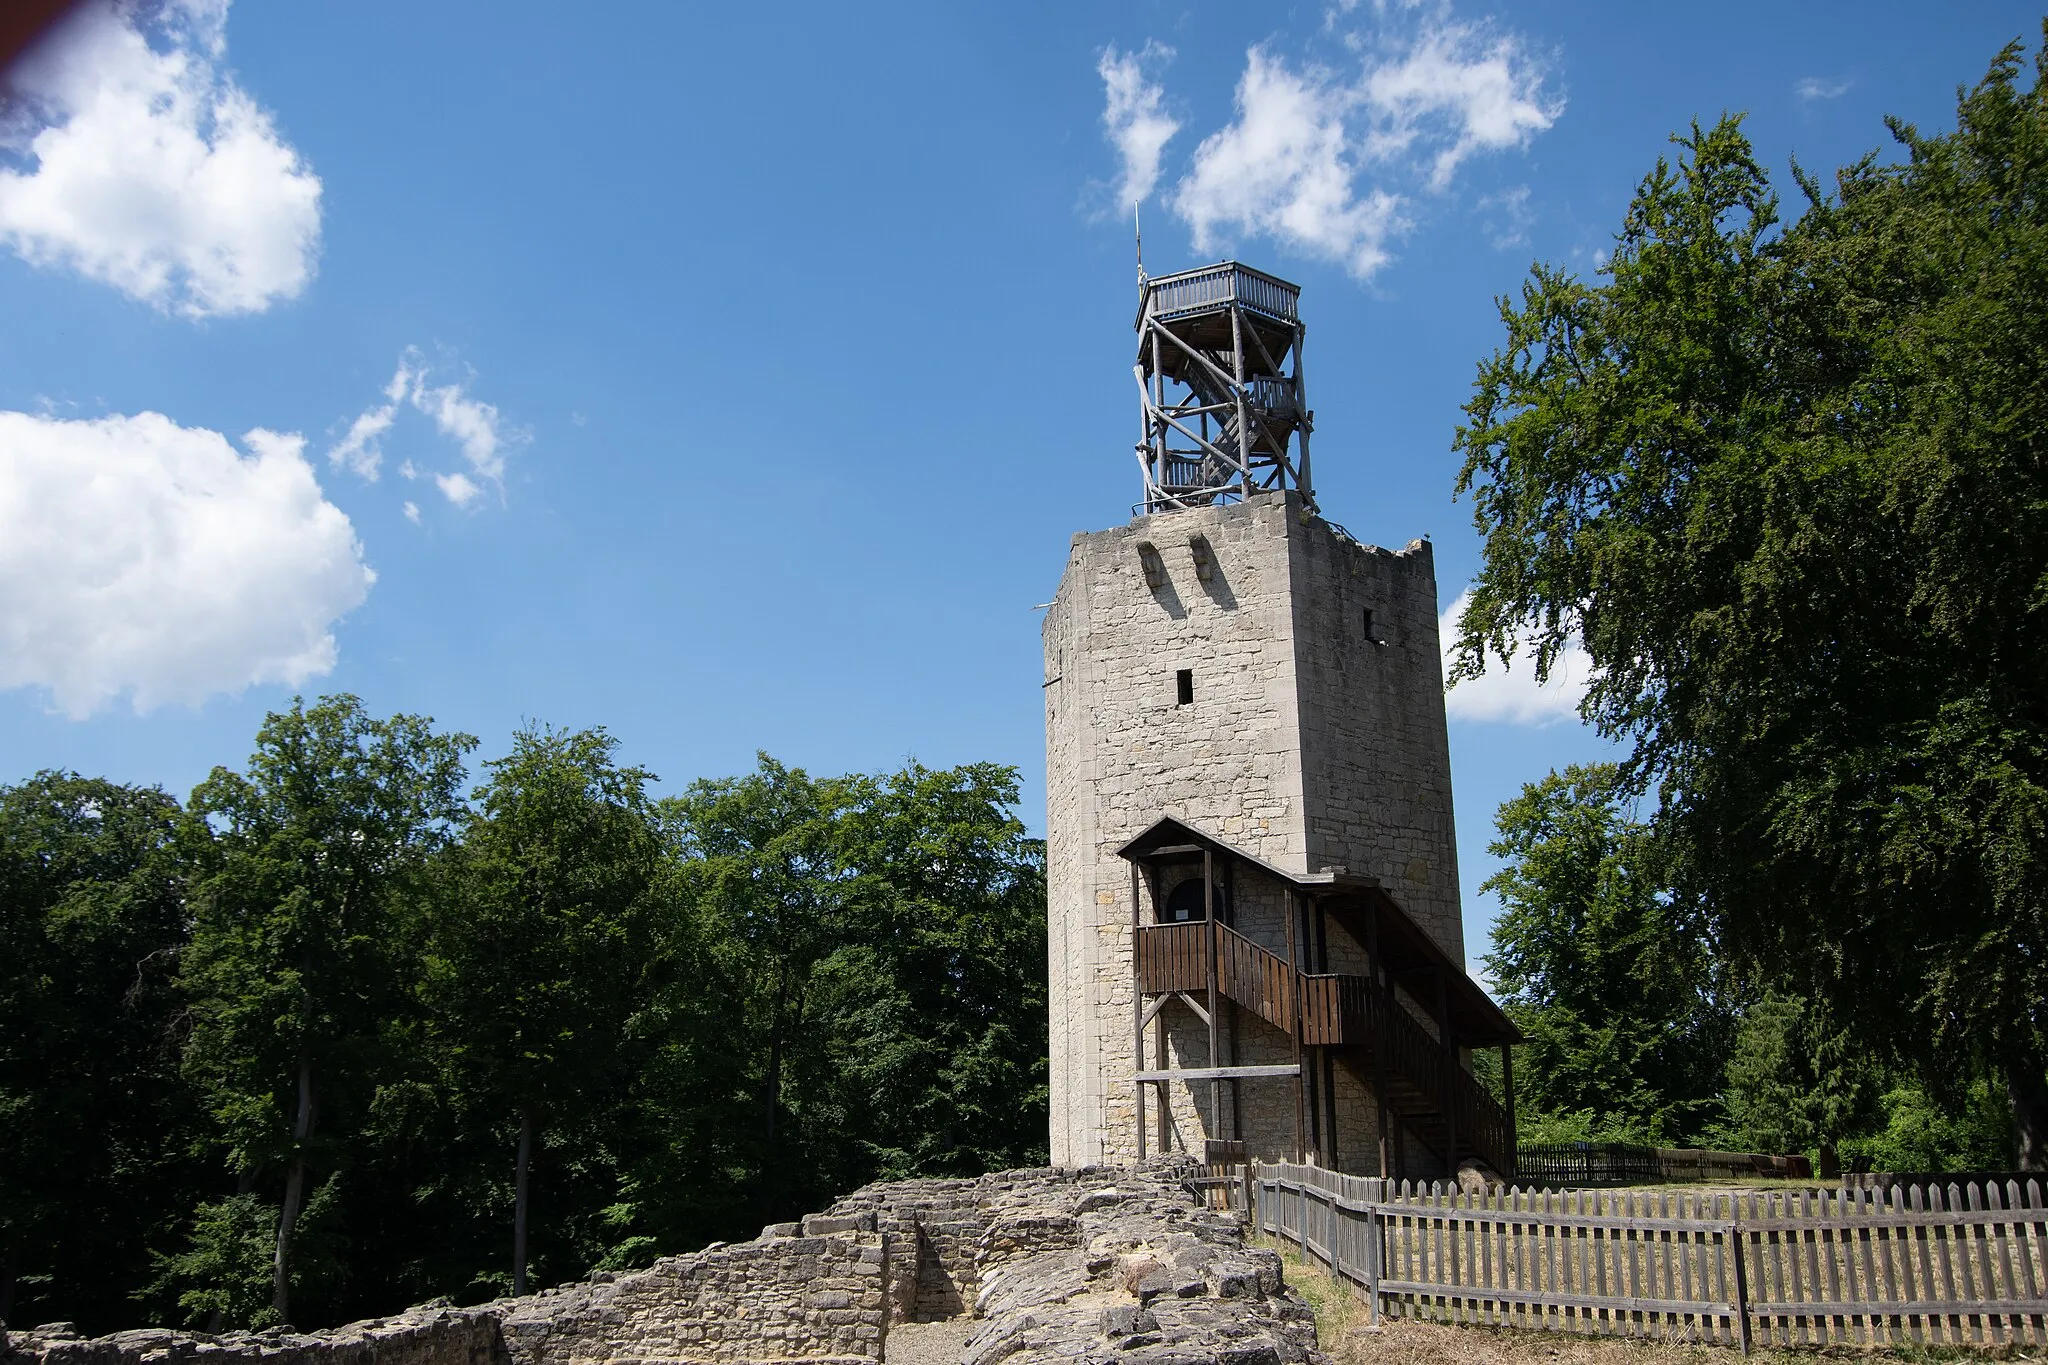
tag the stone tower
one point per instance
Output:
(1251, 855)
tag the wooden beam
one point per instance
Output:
(1212, 941)
(1294, 1018)
(1219, 1073)
(1138, 1029)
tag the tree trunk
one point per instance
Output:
(294, 1194)
(7, 1277)
(1829, 1167)
(519, 1204)
(2027, 1091)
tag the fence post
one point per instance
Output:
(1334, 1238)
(1735, 1235)
(1372, 1262)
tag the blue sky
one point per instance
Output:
(734, 377)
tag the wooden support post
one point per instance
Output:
(1382, 998)
(1231, 1008)
(1330, 1106)
(1244, 435)
(1294, 1022)
(1507, 1090)
(1137, 1017)
(1450, 1095)
(1302, 482)
(1214, 933)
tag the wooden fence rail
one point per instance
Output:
(1932, 1265)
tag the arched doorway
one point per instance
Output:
(1187, 901)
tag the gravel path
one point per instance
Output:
(927, 1343)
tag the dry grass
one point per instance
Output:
(1342, 1318)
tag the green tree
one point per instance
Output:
(539, 952)
(762, 866)
(301, 943)
(884, 937)
(1788, 483)
(935, 1004)
(95, 1125)
(1796, 1083)
(1609, 974)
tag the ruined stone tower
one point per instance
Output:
(1251, 855)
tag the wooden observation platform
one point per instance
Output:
(1220, 383)
(1399, 1026)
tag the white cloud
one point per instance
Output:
(412, 511)
(361, 451)
(1510, 226)
(1461, 89)
(1329, 160)
(143, 165)
(471, 424)
(141, 557)
(1134, 118)
(1284, 170)
(1509, 693)
(459, 488)
(476, 427)
(1821, 88)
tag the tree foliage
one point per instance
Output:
(95, 1124)
(1787, 482)
(339, 1015)
(1609, 974)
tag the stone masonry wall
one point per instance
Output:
(1057, 1264)
(422, 1336)
(785, 1296)
(1375, 752)
(1314, 739)
(1120, 752)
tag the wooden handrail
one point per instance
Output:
(1337, 1010)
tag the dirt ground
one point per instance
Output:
(927, 1343)
(1341, 1325)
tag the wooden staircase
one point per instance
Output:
(1382, 1042)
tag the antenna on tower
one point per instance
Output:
(1138, 231)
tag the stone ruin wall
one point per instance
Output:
(1054, 1264)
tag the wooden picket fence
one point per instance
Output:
(1930, 1265)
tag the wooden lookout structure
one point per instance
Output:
(1246, 950)
(1220, 385)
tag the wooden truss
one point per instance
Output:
(1220, 387)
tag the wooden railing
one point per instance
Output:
(1194, 290)
(1173, 957)
(1336, 1011)
(1960, 1265)
(1255, 978)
